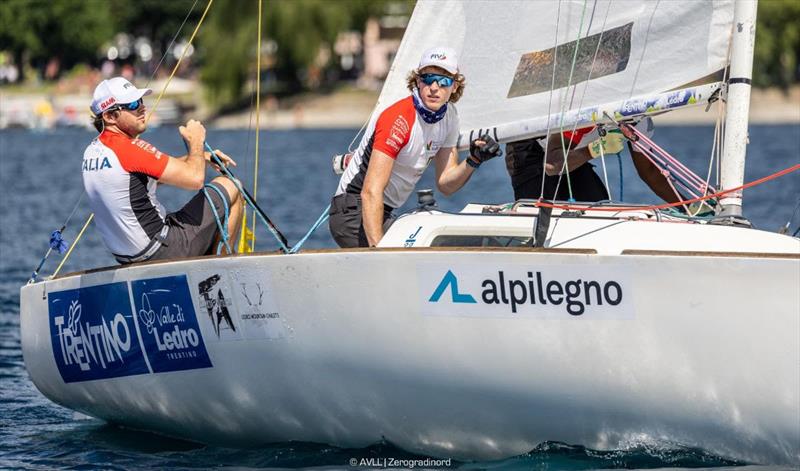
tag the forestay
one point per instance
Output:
(506, 53)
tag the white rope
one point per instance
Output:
(605, 175)
(550, 102)
(583, 95)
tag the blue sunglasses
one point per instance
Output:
(442, 80)
(129, 106)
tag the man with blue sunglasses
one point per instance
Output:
(121, 173)
(398, 145)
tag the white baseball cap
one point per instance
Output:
(115, 91)
(443, 57)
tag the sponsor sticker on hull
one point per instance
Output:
(215, 305)
(260, 314)
(93, 333)
(168, 324)
(530, 292)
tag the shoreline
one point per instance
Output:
(345, 108)
(351, 109)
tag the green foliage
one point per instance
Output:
(157, 20)
(68, 29)
(777, 43)
(299, 28)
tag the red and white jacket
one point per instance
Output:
(401, 134)
(120, 177)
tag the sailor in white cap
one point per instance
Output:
(121, 173)
(398, 146)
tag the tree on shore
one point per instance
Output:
(36, 31)
(295, 30)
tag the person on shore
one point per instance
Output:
(121, 172)
(398, 146)
(525, 165)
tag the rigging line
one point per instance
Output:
(723, 109)
(593, 231)
(596, 49)
(716, 147)
(284, 244)
(710, 161)
(180, 59)
(147, 119)
(72, 247)
(320, 220)
(644, 49)
(564, 148)
(258, 123)
(583, 95)
(605, 174)
(773, 176)
(174, 38)
(550, 102)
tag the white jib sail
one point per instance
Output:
(626, 50)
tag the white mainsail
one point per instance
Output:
(626, 49)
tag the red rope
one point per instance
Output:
(567, 207)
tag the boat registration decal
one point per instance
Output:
(168, 325)
(531, 292)
(93, 333)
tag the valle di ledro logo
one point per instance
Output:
(93, 333)
(556, 291)
(168, 324)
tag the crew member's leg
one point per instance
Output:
(345, 222)
(236, 210)
(193, 229)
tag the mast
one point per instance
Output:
(736, 120)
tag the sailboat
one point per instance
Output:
(483, 333)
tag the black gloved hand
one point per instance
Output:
(480, 153)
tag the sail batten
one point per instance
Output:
(507, 49)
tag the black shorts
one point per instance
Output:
(193, 228)
(524, 162)
(345, 221)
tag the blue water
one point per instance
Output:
(40, 183)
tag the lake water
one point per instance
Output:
(40, 183)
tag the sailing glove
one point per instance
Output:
(480, 153)
(611, 143)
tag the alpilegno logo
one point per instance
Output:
(547, 292)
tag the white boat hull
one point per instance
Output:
(349, 347)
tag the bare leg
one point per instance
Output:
(236, 210)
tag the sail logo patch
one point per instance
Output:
(93, 333)
(170, 334)
(545, 292)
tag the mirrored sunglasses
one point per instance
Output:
(442, 80)
(133, 106)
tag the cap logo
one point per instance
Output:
(439, 56)
(127, 85)
(106, 103)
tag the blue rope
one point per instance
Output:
(56, 241)
(621, 186)
(223, 228)
(236, 182)
(320, 220)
